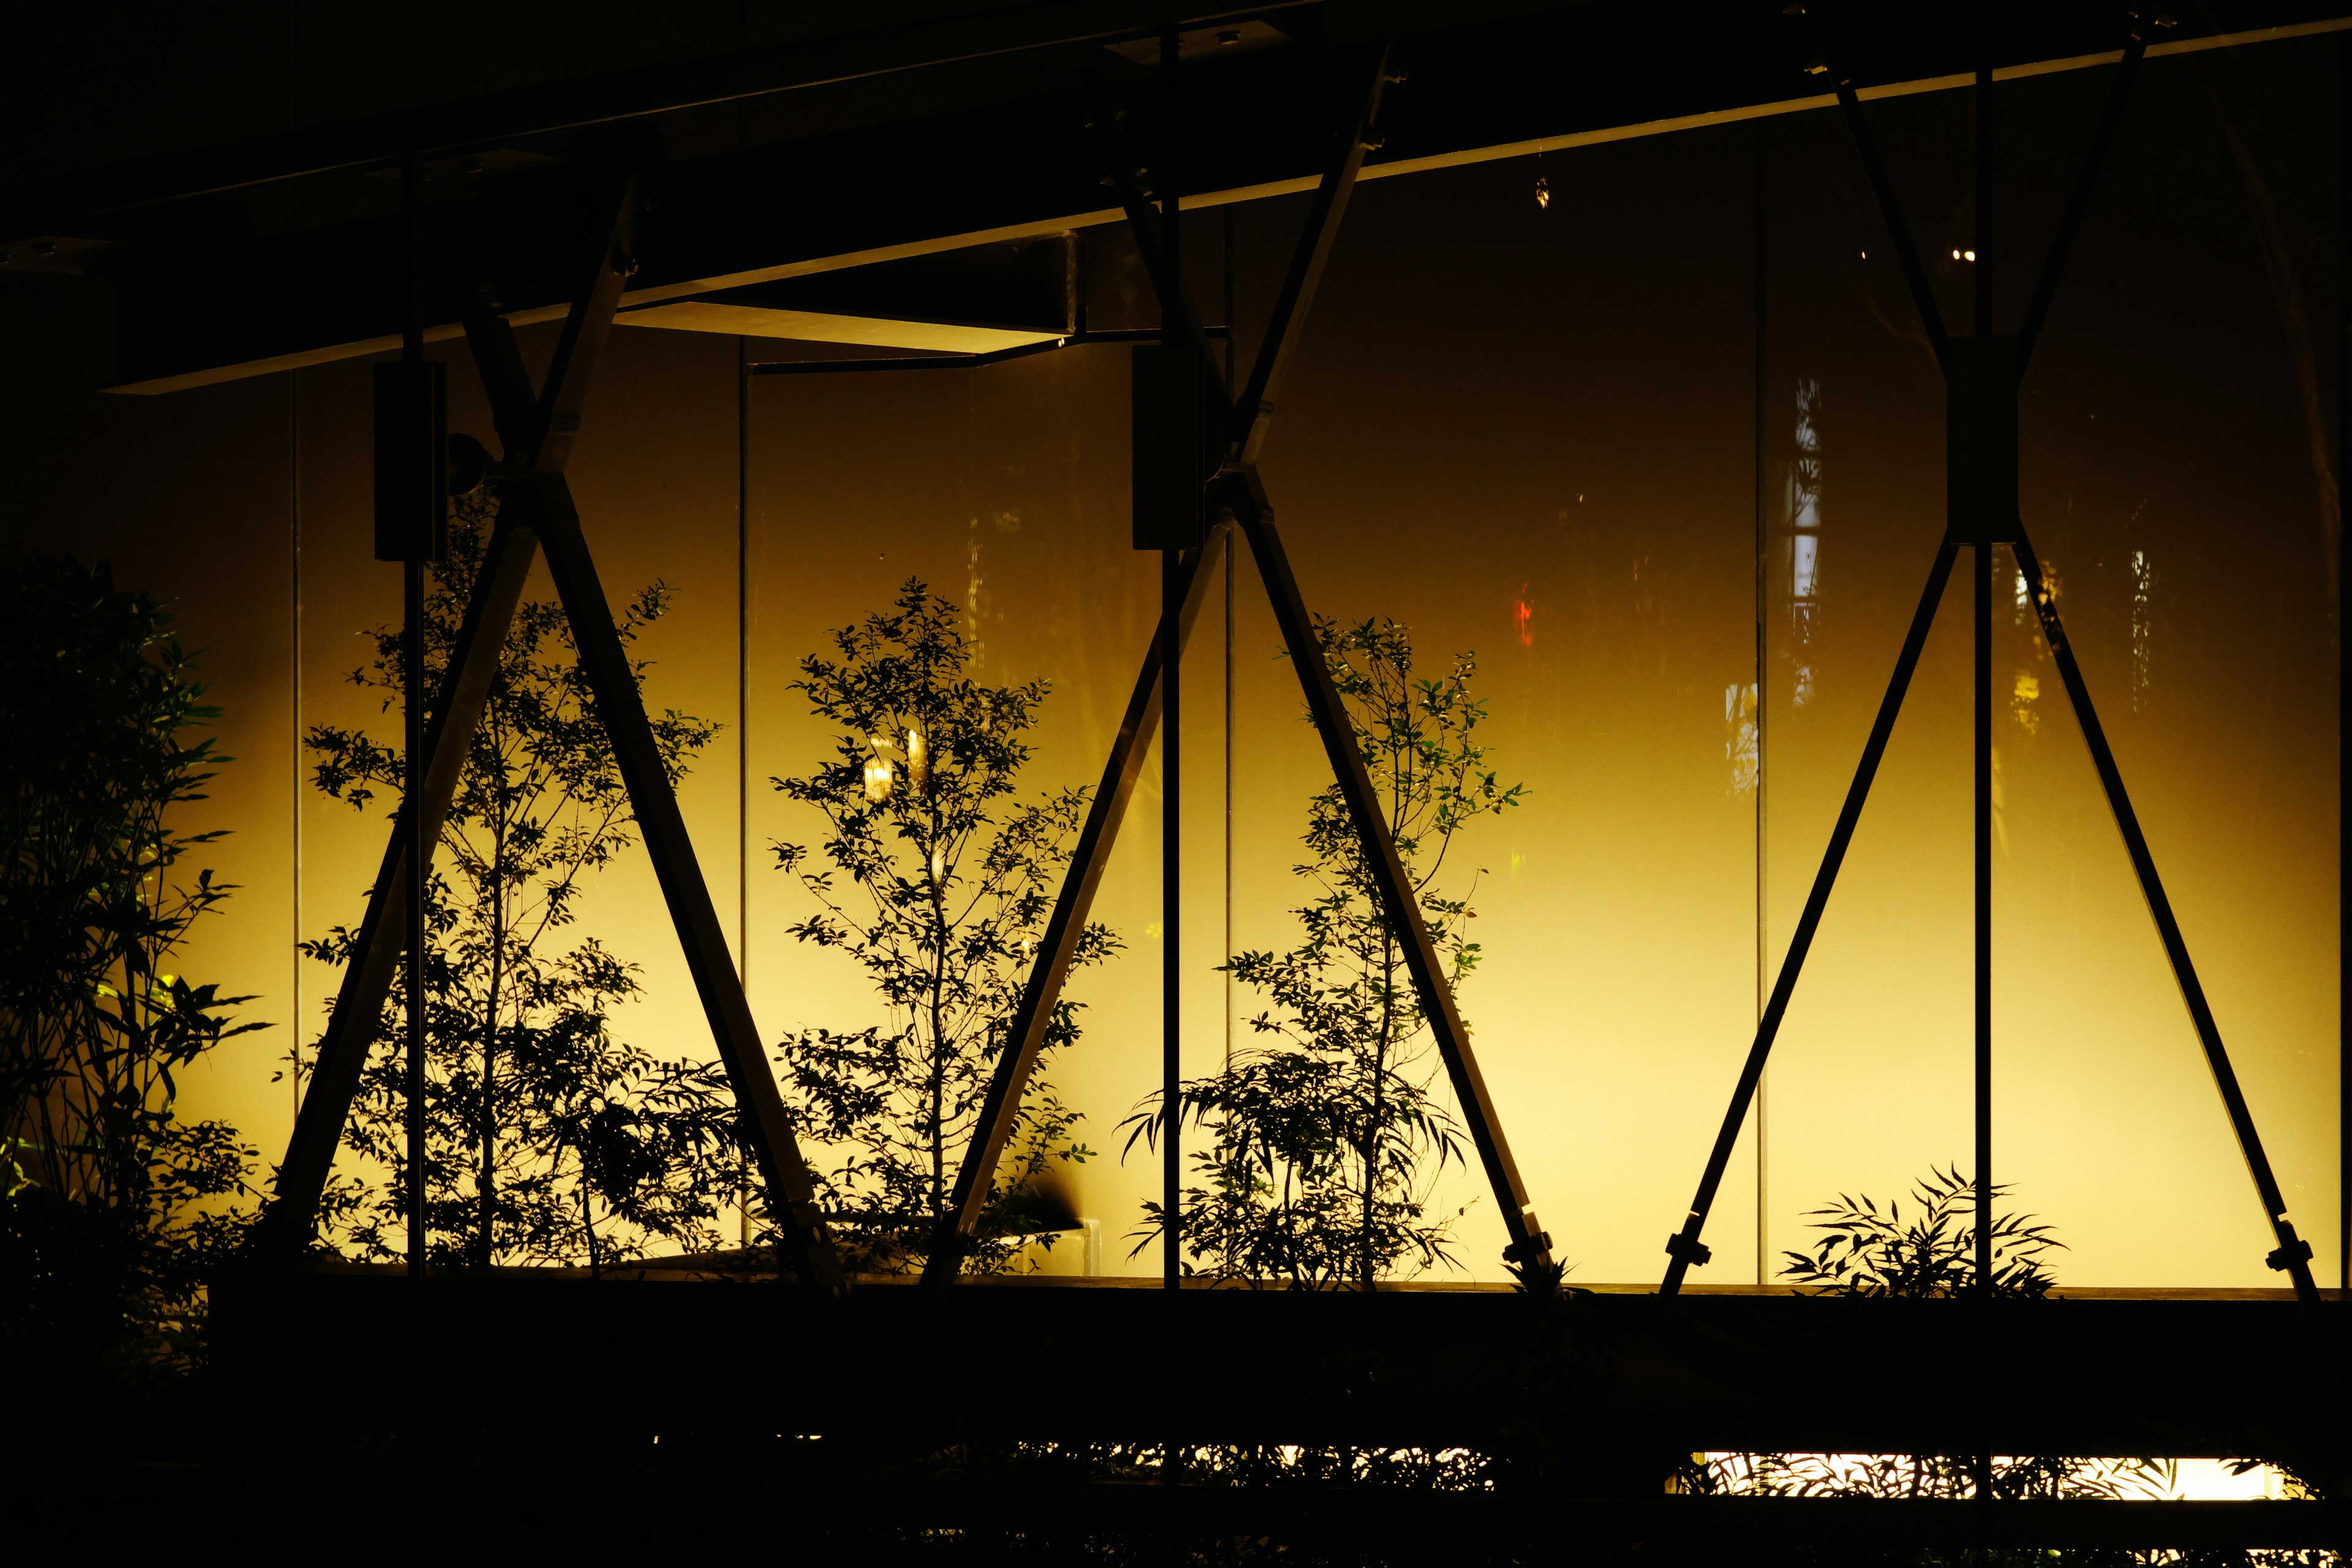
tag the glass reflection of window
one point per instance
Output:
(2142, 625)
(1800, 510)
(2025, 690)
(1740, 736)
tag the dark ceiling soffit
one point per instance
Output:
(189, 315)
(1023, 169)
(56, 202)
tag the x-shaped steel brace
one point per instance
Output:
(1983, 511)
(1238, 496)
(536, 431)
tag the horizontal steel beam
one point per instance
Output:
(1637, 1374)
(1018, 167)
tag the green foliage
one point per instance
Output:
(1868, 1251)
(939, 887)
(549, 1139)
(108, 1211)
(1325, 1137)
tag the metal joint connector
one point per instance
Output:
(1696, 1253)
(2297, 1250)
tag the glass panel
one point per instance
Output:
(1526, 430)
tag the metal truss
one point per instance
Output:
(1982, 375)
(1236, 497)
(537, 429)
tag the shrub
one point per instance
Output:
(547, 1139)
(108, 1225)
(938, 886)
(1325, 1134)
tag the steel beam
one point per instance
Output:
(1254, 412)
(289, 1224)
(1026, 1035)
(523, 421)
(1400, 902)
(1240, 490)
(1176, 310)
(791, 1198)
(2062, 246)
(2293, 1253)
(1684, 1247)
(1873, 169)
(1980, 1461)
(538, 430)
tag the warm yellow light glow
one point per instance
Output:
(878, 772)
(2190, 1480)
(918, 761)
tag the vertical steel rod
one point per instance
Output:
(743, 689)
(1763, 609)
(411, 647)
(743, 660)
(2343, 708)
(2293, 1253)
(1983, 639)
(1225, 947)
(1981, 268)
(1981, 566)
(1171, 903)
(1172, 770)
(1025, 1036)
(294, 816)
(1684, 1247)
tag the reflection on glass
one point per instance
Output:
(1801, 516)
(2142, 622)
(1740, 736)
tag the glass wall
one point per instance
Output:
(1527, 430)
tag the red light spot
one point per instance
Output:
(1521, 616)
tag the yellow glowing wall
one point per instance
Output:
(1526, 431)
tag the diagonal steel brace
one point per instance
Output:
(2293, 1253)
(536, 431)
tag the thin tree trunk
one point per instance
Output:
(486, 1180)
(1380, 1093)
(588, 1224)
(937, 867)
